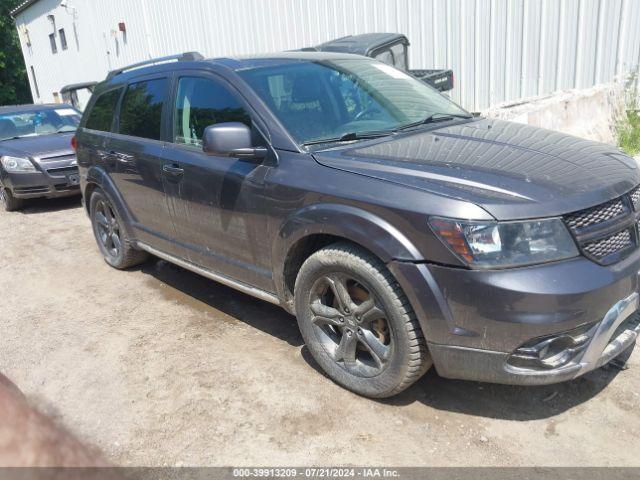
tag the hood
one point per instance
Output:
(39, 147)
(513, 171)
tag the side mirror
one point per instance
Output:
(230, 139)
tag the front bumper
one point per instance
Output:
(57, 182)
(475, 320)
(613, 335)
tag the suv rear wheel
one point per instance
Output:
(357, 323)
(8, 201)
(112, 238)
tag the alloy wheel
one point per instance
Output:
(351, 325)
(108, 229)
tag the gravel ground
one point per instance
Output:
(157, 366)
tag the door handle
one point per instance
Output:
(123, 157)
(104, 155)
(173, 170)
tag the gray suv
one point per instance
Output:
(400, 230)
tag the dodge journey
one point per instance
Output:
(400, 230)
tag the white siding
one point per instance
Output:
(500, 50)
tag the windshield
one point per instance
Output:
(328, 99)
(38, 122)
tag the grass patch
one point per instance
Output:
(629, 133)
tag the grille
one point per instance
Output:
(67, 188)
(608, 245)
(39, 189)
(608, 232)
(57, 158)
(595, 215)
(62, 170)
(635, 198)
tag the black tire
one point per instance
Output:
(8, 201)
(111, 235)
(386, 359)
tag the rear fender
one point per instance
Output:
(99, 177)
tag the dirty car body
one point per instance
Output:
(516, 247)
(35, 151)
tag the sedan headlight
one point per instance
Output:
(17, 164)
(508, 244)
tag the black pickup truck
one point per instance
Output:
(391, 48)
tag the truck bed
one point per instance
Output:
(439, 79)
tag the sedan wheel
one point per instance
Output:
(8, 202)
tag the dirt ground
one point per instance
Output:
(157, 366)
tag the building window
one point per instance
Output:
(35, 82)
(63, 39)
(52, 41)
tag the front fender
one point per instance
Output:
(352, 223)
(359, 226)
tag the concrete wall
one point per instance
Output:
(591, 113)
(500, 50)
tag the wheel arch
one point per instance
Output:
(317, 226)
(98, 178)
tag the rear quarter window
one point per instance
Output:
(101, 115)
(141, 110)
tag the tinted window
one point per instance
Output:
(202, 102)
(141, 111)
(101, 115)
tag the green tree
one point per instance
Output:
(14, 85)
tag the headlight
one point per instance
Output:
(17, 164)
(508, 244)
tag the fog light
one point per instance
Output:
(553, 351)
(557, 351)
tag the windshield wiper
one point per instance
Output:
(350, 136)
(433, 118)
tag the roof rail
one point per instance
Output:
(181, 57)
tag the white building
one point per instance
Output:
(500, 50)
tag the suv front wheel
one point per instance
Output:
(113, 240)
(357, 323)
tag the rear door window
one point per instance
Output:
(101, 115)
(201, 102)
(141, 110)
